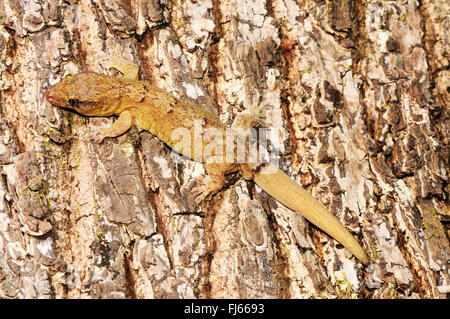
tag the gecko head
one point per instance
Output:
(84, 93)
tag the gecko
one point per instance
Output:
(159, 112)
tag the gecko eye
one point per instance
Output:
(73, 102)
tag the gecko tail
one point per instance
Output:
(289, 193)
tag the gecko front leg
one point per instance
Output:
(120, 126)
(127, 68)
(125, 120)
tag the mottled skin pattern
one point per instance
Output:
(152, 109)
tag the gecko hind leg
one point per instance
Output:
(214, 181)
(246, 120)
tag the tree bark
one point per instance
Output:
(357, 91)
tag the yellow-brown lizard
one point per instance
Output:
(153, 109)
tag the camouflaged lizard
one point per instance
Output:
(159, 112)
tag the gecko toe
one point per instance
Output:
(204, 191)
(96, 137)
(200, 194)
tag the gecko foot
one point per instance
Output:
(128, 68)
(208, 187)
(96, 137)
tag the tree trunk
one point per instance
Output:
(356, 89)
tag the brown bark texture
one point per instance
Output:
(358, 91)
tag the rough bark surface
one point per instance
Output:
(357, 89)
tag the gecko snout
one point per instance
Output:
(54, 96)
